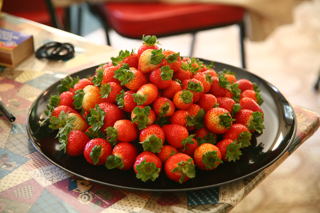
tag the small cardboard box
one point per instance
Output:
(14, 47)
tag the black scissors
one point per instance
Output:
(55, 51)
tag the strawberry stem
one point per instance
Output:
(147, 171)
(152, 144)
(114, 162)
(186, 168)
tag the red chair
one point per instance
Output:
(132, 20)
(40, 11)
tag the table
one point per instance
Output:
(30, 183)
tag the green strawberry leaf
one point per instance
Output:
(114, 162)
(105, 90)
(164, 109)
(244, 139)
(211, 65)
(188, 140)
(124, 74)
(223, 82)
(166, 73)
(226, 120)
(186, 96)
(67, 83)
(156, 57)
(190, 66)
(78, 98)
(95, 134)
(112, 135)
(171, 58)
(179, 81)
(97, 118)
(147, 171)
(210, 159)
(120, 99)
(255, 87)
(209, 138)
(97, 79)
(140, 99)
(226, 71)
(257, 122)
(54, 100)
(194, 86)
(141, 116)
(235, 91)
(95, 154)
(259, 98)
(233, 151)
(152, 144)
(186, 168)
(235, 108)
(122, 55)
(150, 40)
(208, 78)
(196, 120)
(161, 121)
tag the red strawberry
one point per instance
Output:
(249, 103)
(78, 123)
(230, 77)
(171, 90)
(97, 151)
(172, 59)
(252, 120)
(240, 133)
(143, 116)
(122, 157)
(66, 99)
(150, 60)
(152, 138)
(182, 74)
(195, 118)
(166, 152)
(253, 95)
(163, 107)
(149, 42)
(204, 135)
(220, 87)
(207, 101)
(76, 142)
(125, 100)
(195, 86)
(113, 114)
(218, 120)
(183, 99)
(207, 156)
(126, 57)
(205, 79)
(180, 168)
(74, 121)
(189, 148)
(147, 166)
(161, 77)
(244, 84)
(230, 150)
(108, 74)
(211, 72)
(56, 111)
(180, 117)
(122, 131)
(109, 92)
(177, 135)
(87, 98)
(82, 84)
(228, 104)
(132, 78)
(146, 94)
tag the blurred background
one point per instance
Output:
(289, 59)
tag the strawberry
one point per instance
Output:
(205, 79)
(240, 133)
(149, 42)
(69, 121)
(125, 100)
(210, 72)
(132, 78)
(143, 116)
(75, 144)
(66, 99)
(152, 138)
(97, 151)
(195, 117)
(230, 150)
(244, 84)
(146, 94)
(150, 60)
(220, 87)
(252, 120)
(228, 104)
(126, 57)
(108, 74)
(195, 86)
(230, 77)
(207, 101)
(122, 157)
(171, 59)
(122, 131)
(109, 92)
(182, 75)
(172, 89)
(180, 167)
(207, 156)
(147, 166)
(87, 98)
(166, 152)
(113, 112)
(218, 120)
(163, 107)
(249, 103)
(204, 135)
(179, 117)
(79, 122)
(161, 77)
(253, 95)
(177, 135)
(183, 99)
(189, 148)
(56, 111)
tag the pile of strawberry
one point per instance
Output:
(153, 109)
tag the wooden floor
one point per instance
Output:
(290, 60)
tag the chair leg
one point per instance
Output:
(53, 16)
(193, 41)
(242, 48)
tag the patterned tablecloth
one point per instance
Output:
(30, 183)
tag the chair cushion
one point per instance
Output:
(135, 19)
